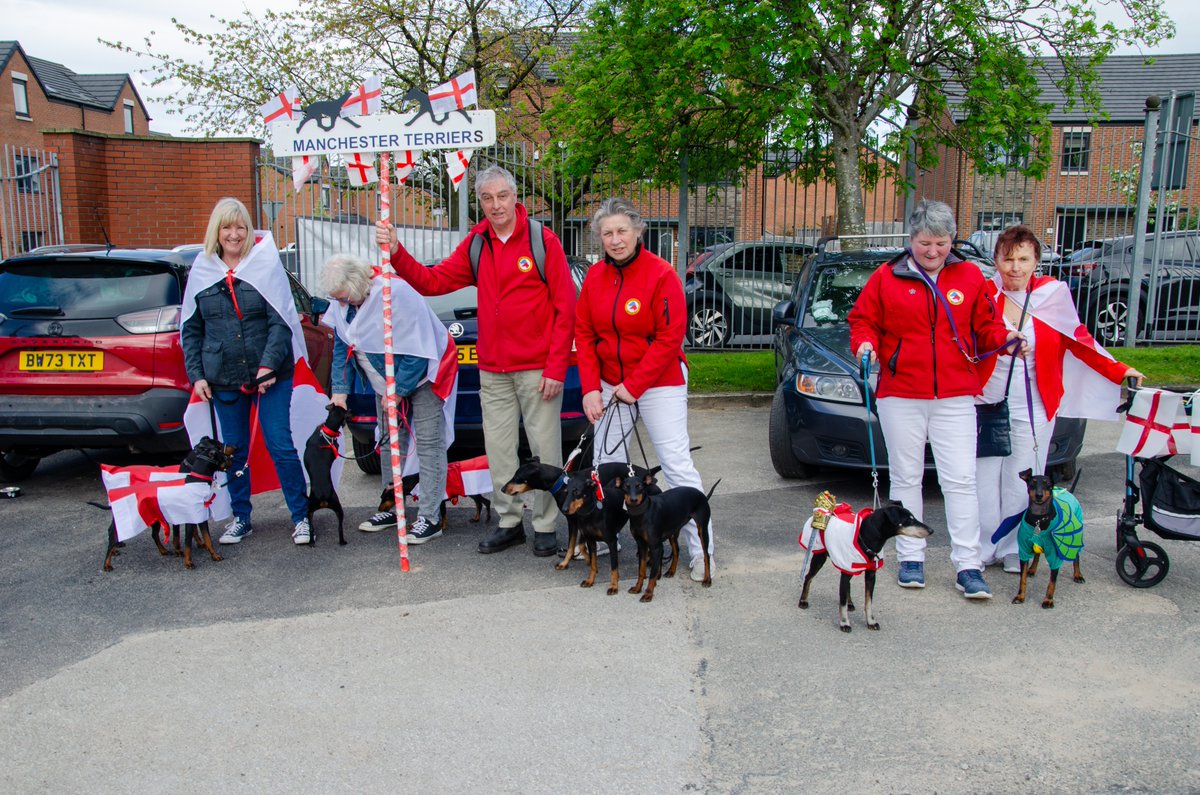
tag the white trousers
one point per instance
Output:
(663, 412)
(949, 426)
(1002, 493)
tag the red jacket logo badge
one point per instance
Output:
(633, 306)
(955, 297)
(525, 264)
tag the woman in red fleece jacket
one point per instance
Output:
(925, 316)
(629, 328)
(1070, 376)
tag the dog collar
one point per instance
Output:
(205, 478)
(327, 432)
(557, 485)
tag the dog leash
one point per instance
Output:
(866, 376)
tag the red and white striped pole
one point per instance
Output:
(389, 398)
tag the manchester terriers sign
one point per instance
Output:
(473, 129)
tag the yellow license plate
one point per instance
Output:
(62, 361)
(467, 355)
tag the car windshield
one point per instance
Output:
(84, 289)
(834, 290)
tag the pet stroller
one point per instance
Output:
(1170, 507)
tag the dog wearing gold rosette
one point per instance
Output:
(852, 541)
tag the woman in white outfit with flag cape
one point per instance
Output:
(1070, 376)
(239, 329)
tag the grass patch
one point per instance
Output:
(754, 371)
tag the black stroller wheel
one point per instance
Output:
(1143, 571)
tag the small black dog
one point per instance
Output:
(1052, 526)
(594, 514)
(320, 451)
(655, 518)
(201, 463)
(533, 475)
(863, 545)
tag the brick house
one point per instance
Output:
(1089, 190)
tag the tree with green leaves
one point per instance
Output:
(718, 81)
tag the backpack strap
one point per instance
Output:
(537, 246)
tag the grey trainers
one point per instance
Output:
(302, 534)
(423, 530)
(912, 574)
(972, 584)
(235, 531)
(1012, 564)
(697, 568)
(601, 550)
(383, 520)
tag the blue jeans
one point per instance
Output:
(274, 418)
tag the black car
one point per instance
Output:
(732, 288)
(1170, 312)
(458, 310)
(818, 414)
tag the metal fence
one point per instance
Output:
(30, 212)
(739, 244)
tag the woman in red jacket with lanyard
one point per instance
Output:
(926, 316)
(1071, 376)
(629, 329)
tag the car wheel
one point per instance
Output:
(16, 466)
(710, 322)
(780, 442)
(367, 457)
(1108, 316)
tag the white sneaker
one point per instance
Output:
(235, 531)
(423, 530)
(601, 549)
(380, 521)
(303, 533)
(698, 568)
(1012, 564)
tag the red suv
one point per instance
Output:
(90, 354)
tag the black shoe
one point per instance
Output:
(502, 538)
(545, 544)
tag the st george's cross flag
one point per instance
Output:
(457, 163)
(282, 106)
(303, 167)
(403, 164)
(455, 94)
(1154, 425)
(364, 100)
(263, 270)
(360, 168)
(140, 495)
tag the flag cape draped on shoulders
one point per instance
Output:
(416, 331)
(262, 270)
(1086, 393)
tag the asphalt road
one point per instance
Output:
(284, 669)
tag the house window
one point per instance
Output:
(997, 221)
(1077, 145)
(128, 117)
(1005, 155)
(21, 95)
(25, 169)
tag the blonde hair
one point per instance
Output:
(346, 272)
(228, 212)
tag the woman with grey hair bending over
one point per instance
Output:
(425, 366)
(926, 317)
(629, 327)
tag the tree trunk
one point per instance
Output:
(851, 218)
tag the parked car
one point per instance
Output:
(1101, 287)
(458, 310)
(90, 353)
(734, 286)
(818, 414)
(985, 243)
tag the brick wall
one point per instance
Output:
(148, 190)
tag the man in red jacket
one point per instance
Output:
(526, 327)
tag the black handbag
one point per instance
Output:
(993, 432)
